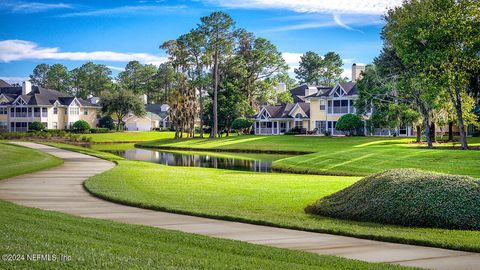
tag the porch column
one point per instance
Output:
(278, 127)
(272, 127)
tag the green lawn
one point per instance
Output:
(271, 199)
(123, 137)
(93, 244)
(17, 160)
(343, 155)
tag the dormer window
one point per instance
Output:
(20, 101)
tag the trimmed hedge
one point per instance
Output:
(407, 197)
(99, 130)
(81, 126)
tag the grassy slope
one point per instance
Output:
(95, 243)
(17, 160)
(252, 197)
(344, 156)
(128, 136)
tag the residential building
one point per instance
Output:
(22, 105)
(157, 117)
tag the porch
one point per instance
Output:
(272, 127)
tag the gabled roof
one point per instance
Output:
(4, 84)
(156, 109)
(40, 96)
(350, 89)
(283, 110)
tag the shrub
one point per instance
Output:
(293, 131)
(99, 130)
(81, 126)
(242, 125)
(36, 126)
(407, 197)
(349, 123)
(106, 122)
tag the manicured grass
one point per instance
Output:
(343, 155)
(94, 244)
(128, 136)
(17, 160)
(271, 199)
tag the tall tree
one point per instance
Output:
(332, 69)
(91, 79)
(58, 78)
(120, 104)
(139, 78)
(165, 80)
(218, 30)
(39, 75)
(442, 37)
(263, 62)
(309, 69)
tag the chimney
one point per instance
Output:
(144, 99)
(357, 72)
(26, 87)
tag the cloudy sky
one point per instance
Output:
(113, 32)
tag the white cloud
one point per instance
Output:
(124, 10)
(14, 79)
(116, 68)
(32, 7)
(17, 50)
(314, 6)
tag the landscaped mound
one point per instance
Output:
(407, 197)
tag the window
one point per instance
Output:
(21, 112)
(3, 110)
(352, 107)
(36, 112)
(299, 124)
(322, 105)
(55, 110)
(44, 112)
(321, 126)
(3, 126)
(70, 125)
(66, 111)
(74, 111)
(85, 111)
(338, 106)
(55, 125)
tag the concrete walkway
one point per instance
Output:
(60, 189)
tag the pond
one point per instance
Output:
(230, 161)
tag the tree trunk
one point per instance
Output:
(461, 129)
(215, 95)
(201, 113)
(427, 131)
(432, 132)
(450, 131)
(419, 134)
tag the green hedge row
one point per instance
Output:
(407, 197)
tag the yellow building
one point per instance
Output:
(316, 111)
(21, 106)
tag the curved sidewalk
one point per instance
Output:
(60, 189)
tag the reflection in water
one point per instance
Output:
(195, 160)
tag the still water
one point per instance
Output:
(196, 160)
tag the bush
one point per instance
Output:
(99, 130)
(293, 131)
(407, 197)
(349, 123)
(106, 122)
(242, 125)
(81, 126)
(36, 126)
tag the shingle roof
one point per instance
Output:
(156, 109)
(282, 111)
(40, 96)
(4, 84)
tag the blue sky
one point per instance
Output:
(113, 32)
